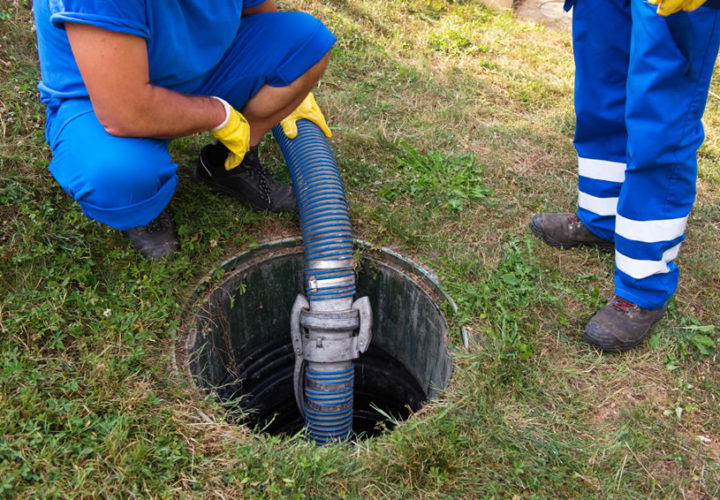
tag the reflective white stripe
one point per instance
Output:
(640, 269)
(650, 231)
(601, 170)
(600, 206)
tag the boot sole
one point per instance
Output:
(614, 347)
(537, 230)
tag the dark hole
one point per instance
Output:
(261, 387)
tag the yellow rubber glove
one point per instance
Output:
(308, 110)
(234, 132)
(667, 7)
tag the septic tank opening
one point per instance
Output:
(237, 344)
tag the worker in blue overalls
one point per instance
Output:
(120, 78)
(641, 83)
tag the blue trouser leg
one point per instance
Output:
(671, 64)
(601, 45)
(639, 103)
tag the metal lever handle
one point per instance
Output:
(301, 304)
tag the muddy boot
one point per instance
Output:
(566, 231)
(621, 325)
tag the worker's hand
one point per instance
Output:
(667, 7)
(234, 133)
(308, 110)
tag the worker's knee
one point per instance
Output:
(121, 182)
(272, 49)
(106, 171)
(309, 48)
(113, 175)
(299, 29)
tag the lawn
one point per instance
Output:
(452, 125)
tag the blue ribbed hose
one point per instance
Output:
(329, 276)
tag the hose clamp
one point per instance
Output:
(317, 284)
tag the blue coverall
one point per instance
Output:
(641, 85)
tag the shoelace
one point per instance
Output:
(252, 163)
(622, 305)
(573, 220)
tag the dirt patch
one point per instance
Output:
(712, 444)
(605, 414)
(547, 12)
(609, 411)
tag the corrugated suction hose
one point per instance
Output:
(328, 328)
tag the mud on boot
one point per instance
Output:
(566, 230)
(621, 325)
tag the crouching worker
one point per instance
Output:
(121, 78)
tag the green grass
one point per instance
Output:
(450, 132)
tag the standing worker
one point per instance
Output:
(642, 75)
(120, 78)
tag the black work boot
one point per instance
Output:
(249, 181)
(566, 231)
(155, 240)
(621, 325)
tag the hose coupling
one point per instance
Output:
(330, 337)
(323, 338)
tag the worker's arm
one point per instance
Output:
(114, 67)
(267, 6)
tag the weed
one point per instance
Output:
(456, 38)
(688, 341)
(450, 181)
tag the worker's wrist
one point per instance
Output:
(227, 108)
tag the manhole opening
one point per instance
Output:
(237, 344)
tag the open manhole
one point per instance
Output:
(237, 343)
